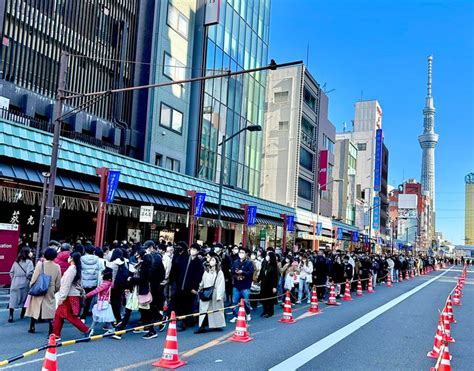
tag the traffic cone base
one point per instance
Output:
(287, 312)
(389, 280)
(347, 292)
(170, 358)
(50, 362)
(445, 364)
(370, 288)
(240, 334)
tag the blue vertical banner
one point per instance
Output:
(319, 229)
(376, 213)
(251, 215)
(112, 185)
(378, 160)
(290, 223)
(200, 200)
(355, 236)
(366, 239)
(340, 233)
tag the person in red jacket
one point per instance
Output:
(63, 256)
(102, 310)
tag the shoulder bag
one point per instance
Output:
(205, 294)
(41, 285)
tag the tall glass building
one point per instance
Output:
(239, 41)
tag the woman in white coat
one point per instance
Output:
(212, 277)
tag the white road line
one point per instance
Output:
(306, 355)
(13, 365)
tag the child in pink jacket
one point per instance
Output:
(102, 310)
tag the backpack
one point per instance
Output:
(122, 275)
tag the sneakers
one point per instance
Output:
(109, 331)
(298, 302)
(117, 337)
(140, 331)
(163, 325)
(89, 333)
(233, 320)
(150, 335)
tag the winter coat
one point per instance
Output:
(62, 260)
(187, 273)
(68, 288)
(337, 273)
(45, 306)
(217, 319)
(92, 268)
(306, 271)
(102, 291)
(242, 281)
(156, 269)
(320, 270)
(20, 274)
(269, 280)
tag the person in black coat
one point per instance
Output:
(186, 273)
(320, 274)
(269, 282)
(337, 274)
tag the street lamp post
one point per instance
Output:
(250, 128)
(319, 199)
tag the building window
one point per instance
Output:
(171, 118)
(304, 189)
(158, 159)
(280, 97)
(306, 159)
(283, 125)
(177, 21)
(362, 146)
(309, 99)
(328, 144)
(172, 68)
(172, 164)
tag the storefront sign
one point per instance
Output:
(308, 236)
(251, 215)
(9, 235)
(146, 214)
(340, 233)
(376, 213)
(290, 223)
(200, 199)
(378, 161)
(112, 184)
(263, 234)
(323, 169)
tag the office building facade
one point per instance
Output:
(469, 210)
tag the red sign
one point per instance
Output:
(9, 235)
(323, 169)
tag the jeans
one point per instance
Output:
(374, 279)
(395, 275)
(303, 288)
(236, 296)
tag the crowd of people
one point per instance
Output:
(73, 283)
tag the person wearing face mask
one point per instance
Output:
(242, 274)
(213, 279)
(226, 266)
(20, 274)
(235, 253)
(167, 262)
(269, 282)
(186, 273)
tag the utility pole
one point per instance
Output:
(58, 108)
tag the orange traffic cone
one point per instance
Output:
(407, 276)
(449, 311)
(389, 280)
(241, 334)
(332, 297)
(50, 362)
(412, 274)
(445, 362)
(170, 357)
(287, 312)
(359, 288)
(456, 297)
(314, 307)
(347, 292)
(447, 328)
(438, 342)
(400, 277)
(370, 289)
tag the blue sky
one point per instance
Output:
(377, 49)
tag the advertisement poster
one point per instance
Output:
(9, 235)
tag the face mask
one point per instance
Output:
(194, 252)
(267, 258)
(217, 250)
(30, 254)
(253, 257)
(242, 255)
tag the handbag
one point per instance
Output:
(132, 301)
(205, 294)
(145, 299)
(255, 288)
(104, 304)
(41, 286)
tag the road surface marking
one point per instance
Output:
(35, 360)
(306, 355)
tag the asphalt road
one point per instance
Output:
(392, 329)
